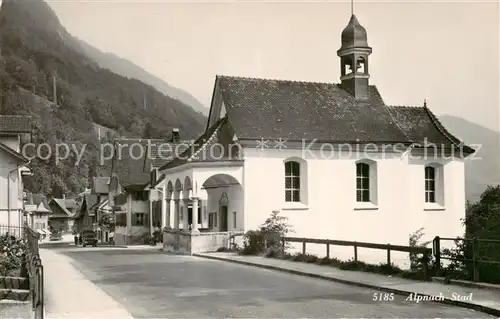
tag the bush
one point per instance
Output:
(482, 222)
(253, 243)
(267, 240)
(12, 255)
(418, 261)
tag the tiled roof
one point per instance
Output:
(273, 109)
(129, 165)
(70, 203)
(421, 126)
(61, 204)
(199, 149)
(266, 109)
(163, 152)
(15, 124)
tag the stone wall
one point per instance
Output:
(123, 239)
(187, 243)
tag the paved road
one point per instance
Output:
(151, 284)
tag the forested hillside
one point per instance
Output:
(35, 50)
(128, 69)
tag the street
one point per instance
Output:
(151, 284)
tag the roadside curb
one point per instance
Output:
(467, 284)
(462, 304)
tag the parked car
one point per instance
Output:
(55, 237)
(89, 237)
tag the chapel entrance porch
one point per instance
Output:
(203, 210)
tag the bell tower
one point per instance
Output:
(353, 55)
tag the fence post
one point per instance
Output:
(328, 251)
(388, 254)
(303, 246)
(474, 260)
(426, 266)
(356, 253)
(436, 247)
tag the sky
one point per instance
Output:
(445, 52)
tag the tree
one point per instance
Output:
(482, 222)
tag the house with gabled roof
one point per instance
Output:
(332, 157)
(86, 216)
(137, 205)
(38, 211)
(63, 212)
(14, 130)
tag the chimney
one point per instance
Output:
(175, 135)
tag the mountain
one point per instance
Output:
(44, 73)
(128, 69)
(483, 167)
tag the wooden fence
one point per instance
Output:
(424, 251)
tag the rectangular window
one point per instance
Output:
(430, 184)
(234, 220)
(139, 219)
(292, 181)
(362, 182)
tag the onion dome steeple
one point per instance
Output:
(353, 55)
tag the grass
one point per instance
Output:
(353, 265)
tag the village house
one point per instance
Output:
(63, 211)
(333, 158)
(86, 217)
(38, 209)
(105, 217)
(14, 130)
(134, 203)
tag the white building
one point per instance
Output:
(13, 129)
(333, 158)
(38, 210)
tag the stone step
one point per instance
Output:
(14, 294)
(14, 283)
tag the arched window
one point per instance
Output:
(292, 181)
(430, 184)
(362, 182)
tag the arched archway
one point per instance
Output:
(224, 202)
(169, 189)
(177, 188)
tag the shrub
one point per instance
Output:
(267, 240)
(482, 222)
(12, 255)
(417, 261)
(352, 265)
(253, 243)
